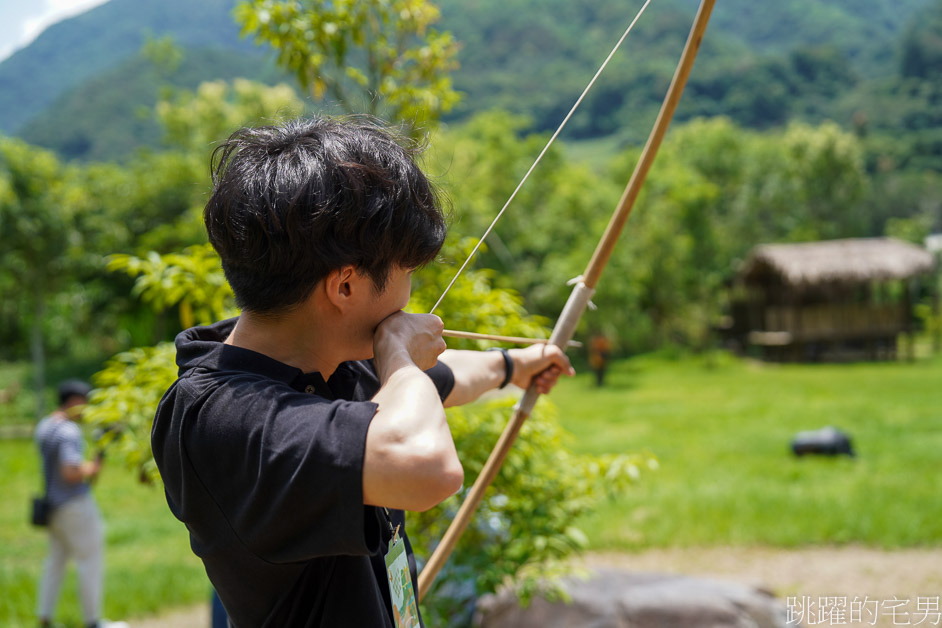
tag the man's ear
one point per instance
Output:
(341, 286)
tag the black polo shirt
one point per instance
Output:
(264, 465)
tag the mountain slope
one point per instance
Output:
(109, 115)
(75, 50)
(761, 63)
(523, 60)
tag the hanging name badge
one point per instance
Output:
(405, 611)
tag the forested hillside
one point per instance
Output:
(762, 64)
(109, 115)
(536, 61)
(78, 49)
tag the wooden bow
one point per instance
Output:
(578, 299)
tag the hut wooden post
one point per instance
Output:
(908, 323)
(797, 325)
(936, 317)
(873, 319)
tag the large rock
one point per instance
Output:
(612, 598)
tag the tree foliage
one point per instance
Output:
(123, 403)
(922, 45)
(36, 215)
(381, 57)
(38, 239)
(191, 281)
(524, 533)
(715, 191)
(131, 383)
(195, 121)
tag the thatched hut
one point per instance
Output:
(827, 300)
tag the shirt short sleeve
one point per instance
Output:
(71, 446)
(443, 378)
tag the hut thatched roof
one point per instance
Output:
(839, 261)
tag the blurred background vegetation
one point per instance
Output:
(801, 121)
(806, 121)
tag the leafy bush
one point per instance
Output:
(523, 532)
(123, 404)
(192, 280)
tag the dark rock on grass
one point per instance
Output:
(612, 598)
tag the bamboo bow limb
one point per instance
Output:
(578, 300)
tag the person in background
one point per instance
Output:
(600, 348)
(75, 527)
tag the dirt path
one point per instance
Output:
(195, 617)
(875, 578)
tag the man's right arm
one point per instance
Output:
(410, 461)
(72, 467)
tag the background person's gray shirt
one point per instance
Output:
(60, 442)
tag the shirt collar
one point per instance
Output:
(204, 347)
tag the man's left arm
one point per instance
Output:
(477, 372)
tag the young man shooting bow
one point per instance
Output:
(297, 433)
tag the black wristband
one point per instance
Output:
(508, 365)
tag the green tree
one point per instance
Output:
(195, 121)
(908, 196)
(381, 57)
(921, 55)
(662, 281)
(191, 281)
(715, 191)
(546, 236)
(826, 164)
(60, 222)
(37, 237)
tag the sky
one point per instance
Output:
(22, 20)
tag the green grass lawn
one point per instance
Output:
(721, 431)
(149, 565)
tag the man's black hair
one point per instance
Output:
(291, 203)
(73, 388)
